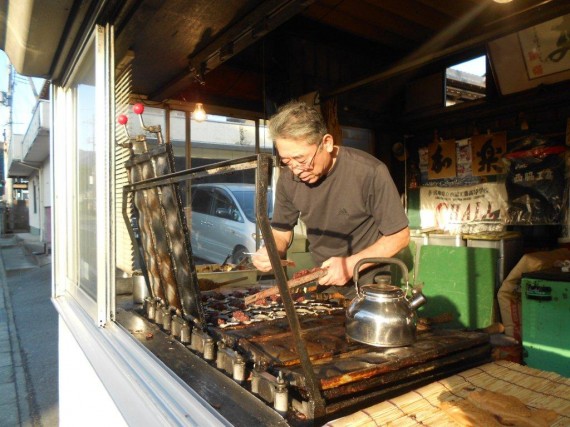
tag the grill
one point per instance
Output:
(289, 353)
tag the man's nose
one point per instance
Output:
(297, 172)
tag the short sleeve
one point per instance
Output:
(285, 215)
(385, 203)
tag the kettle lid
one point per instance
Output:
(382, 290)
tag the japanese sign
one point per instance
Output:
(441, 159)
(456, 209)
(546, 47)
(488, 151)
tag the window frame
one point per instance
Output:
(64, 149)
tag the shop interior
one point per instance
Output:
(467, 104)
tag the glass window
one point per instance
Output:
(200, 143)
(246, 199)
(178, 138)
(466, 81)
(201, 200)
(84, 210)
(223, 138)
(223, 206)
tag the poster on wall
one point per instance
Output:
(442, 159)
(546, 46)
(464, 158)
(468, 209)
(488, 151)
(535, 183)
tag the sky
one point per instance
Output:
(475, 66)
(24, 100)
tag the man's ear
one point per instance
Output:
(328, 142)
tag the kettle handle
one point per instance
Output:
(395, 261)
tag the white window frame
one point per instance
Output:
(63, 143)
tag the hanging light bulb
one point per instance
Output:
(502, 1)
(199, 114)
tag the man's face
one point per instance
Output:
(306, 161)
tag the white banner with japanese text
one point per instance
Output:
(469, 209)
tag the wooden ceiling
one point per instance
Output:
(254, 54)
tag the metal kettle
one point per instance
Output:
(381, 315)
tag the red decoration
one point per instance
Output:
(122, 119)
(138, 108)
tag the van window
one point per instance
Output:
(201, 201)
(246, 200)
(224, 207)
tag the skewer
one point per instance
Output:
(284, 262)
(274, 290)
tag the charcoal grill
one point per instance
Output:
(299, 364)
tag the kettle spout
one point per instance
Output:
(418, 299)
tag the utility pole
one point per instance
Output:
(8, 223)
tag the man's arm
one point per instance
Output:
(341, 269)
(282, 239)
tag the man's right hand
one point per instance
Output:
(260, 259)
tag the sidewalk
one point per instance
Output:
(28, 335)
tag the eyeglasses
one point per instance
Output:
(304, 165)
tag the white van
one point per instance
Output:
(223, 221)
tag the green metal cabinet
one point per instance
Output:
(459, 281)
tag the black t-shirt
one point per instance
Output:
(347, 211)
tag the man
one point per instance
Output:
(346, 198)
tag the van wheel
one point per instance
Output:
(239, 254)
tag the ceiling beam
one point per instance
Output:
(250, 29)
(542, 12)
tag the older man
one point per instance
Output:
(346, 198)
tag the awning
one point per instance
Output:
(31, 33)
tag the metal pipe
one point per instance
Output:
(262, 174)
(198, 172)
(135, 240)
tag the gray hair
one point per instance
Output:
(297, 120)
